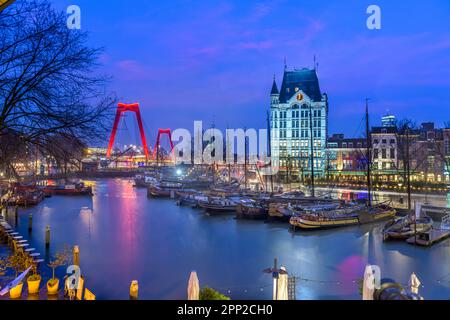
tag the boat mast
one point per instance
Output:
(270, 150)
(245, 162)
(369, 156)
(408, 170)
(313, 192)
(228, 150)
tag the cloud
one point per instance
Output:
(260, 11)
(132, 70)
(255, 45)
(222, 56)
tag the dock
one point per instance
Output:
(436, 213)
(429, 238)
(17, 242)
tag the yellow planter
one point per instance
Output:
(33, 286)
(16, 292)
(52, 288)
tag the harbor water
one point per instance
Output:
(125, 236)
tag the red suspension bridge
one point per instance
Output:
(123, 108)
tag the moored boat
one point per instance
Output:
(251, 209)
(342, 218)
(29, 198)
(281, 212)
(216, 205)
(78, 189)
(191, 199)
(407, 227)
(143, 181)
(164, 189)
(292, 195)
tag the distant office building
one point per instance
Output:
(388, 121)
(299, 119)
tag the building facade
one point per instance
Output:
(426, 148)
(447, 154)
(384, 146)
(430, 156)
(346, 157)
(299, 124)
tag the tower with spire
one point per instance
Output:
(274, 93)
(299, 123)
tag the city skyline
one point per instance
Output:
(217, 62)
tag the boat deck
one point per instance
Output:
(429, 238)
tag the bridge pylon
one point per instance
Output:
(161, 132)
(123, 108)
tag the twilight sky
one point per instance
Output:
(215, 60)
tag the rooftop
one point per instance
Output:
(340, 142)
(303, 79)
(384, 130)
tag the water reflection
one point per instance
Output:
(398, 200)
(124, 236)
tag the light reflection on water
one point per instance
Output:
(124, 236)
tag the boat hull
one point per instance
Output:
(251, 213)
(186, 202)
(252, 216)
(392, 235)
(309, 224)
(215, 209)
(68, 192)
(160, 193)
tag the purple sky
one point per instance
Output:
(215, 60)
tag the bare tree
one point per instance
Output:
(13, 150)
(66, 150)
(405, 141)
(49, 85)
